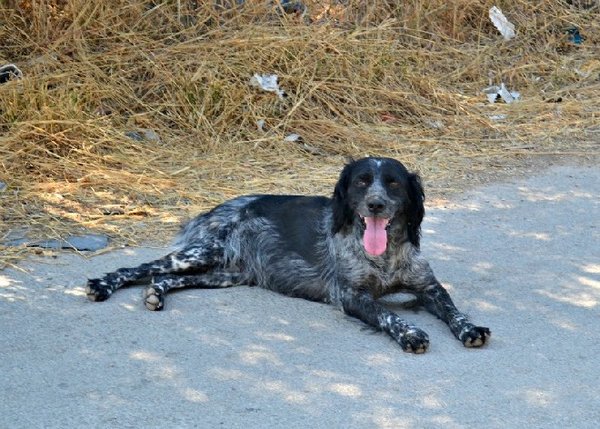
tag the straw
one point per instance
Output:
(362, 78)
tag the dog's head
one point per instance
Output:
(378, 196)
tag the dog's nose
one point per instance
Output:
(376, 205)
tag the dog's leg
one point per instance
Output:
(362, 306)
(438, 302)
(189, 259)
(154, 295)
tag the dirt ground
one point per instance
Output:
(519, 255)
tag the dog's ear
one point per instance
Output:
(416, 209)
(342, 213)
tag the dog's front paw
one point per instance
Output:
(98, 290)
(414, 340)
(474, 336)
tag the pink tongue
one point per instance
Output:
(375, 238)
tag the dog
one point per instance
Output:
(347, 251)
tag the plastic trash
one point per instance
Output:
(293, 6)
(504, 26)
(268, 82)
(574, 35)
(495, 93)
(293, 138)
(287, 6)
(10, 71)
(144, 134)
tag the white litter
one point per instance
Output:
(582, 74)
(292, 138)
(267, 82)
(504, 26)
(8, 70)
(260, 124)
(435, 124)
(493, 92)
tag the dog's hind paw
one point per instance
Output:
(414, 340)
(474, 336)
(154, 298)
(98, 290)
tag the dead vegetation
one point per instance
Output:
(401, 79)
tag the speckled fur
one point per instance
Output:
(312, 247)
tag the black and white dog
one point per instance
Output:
(347, 251)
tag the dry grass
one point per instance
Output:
(401, 79)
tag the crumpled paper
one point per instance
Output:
(267, 82)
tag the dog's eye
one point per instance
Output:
(362, 182)
(393, 184)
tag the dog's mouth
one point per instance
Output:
(375, 234)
